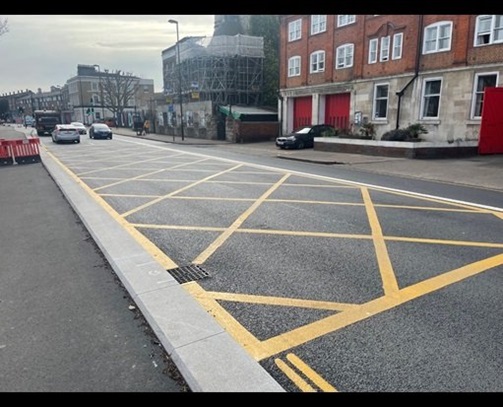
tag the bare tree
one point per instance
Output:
(4, 28)
(118, 91)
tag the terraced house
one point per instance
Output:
(390, 70)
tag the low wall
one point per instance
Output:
(420, 149)
(249, 132)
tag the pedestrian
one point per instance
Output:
(146, 127)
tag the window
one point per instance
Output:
(318, 24)
(437, 37)
(397, 46)
(481, 82)
(384, 49)
(344, 57)
(345, 19)
(489, 30)
(294, 66)
(431, 98)
(381, 92)
(318, 61)
(373, 50)
(294, 30)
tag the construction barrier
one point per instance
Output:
(5, 156)
(22, 151)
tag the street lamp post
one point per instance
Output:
(179, 75)
(101, 93)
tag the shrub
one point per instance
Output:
(416, 129)
(368, 131)
(396, 135)
(411, 133)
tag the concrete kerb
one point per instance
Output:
(209, 359)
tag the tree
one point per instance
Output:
(118, 90)
(4, 108)
(267, 26)
(4, 28)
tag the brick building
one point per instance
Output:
(390, 70)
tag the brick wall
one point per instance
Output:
(249, 132)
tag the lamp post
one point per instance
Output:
(101, 93)
(179, 75)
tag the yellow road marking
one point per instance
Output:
(279, 301)
(294, 377)
(310, 373)
(237, 223)
(138, 177)
(154, 201)
(158, 254)
(390, 284)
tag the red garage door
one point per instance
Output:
(337, 110)
(302, 111)
(491, 125)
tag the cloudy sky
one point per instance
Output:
(39, 51)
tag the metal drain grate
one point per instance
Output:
(188, 273)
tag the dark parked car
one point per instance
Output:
(304, 136)
(100, 130)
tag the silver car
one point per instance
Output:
(65, 133)
(81, 127)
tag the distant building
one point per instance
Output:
(88, 103)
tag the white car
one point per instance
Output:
(80, 126)
(65, 133)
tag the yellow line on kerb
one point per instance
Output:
(158, 254)
(390, 284)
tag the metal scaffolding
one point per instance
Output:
(228, 70)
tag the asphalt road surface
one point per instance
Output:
(67, 324)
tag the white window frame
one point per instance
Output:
(295, 30)
(317, 60)
(490, 32)
(344, 52)
(384, 54)
(318, 23)
(397, 46)
(345, 19)
(373, 47)
(476, 92)
(424, 96)
(432, 34)
(378, 99)
(294, 66)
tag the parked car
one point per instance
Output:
(304, 136)
(80, 126)
(65, 133)
(100, 130)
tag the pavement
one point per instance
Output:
(481, 171)
(206, 355)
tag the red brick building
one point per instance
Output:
(391, 70)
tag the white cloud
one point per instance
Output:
(44, 50)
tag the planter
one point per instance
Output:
(405, 149)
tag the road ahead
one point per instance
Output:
(331, 285)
